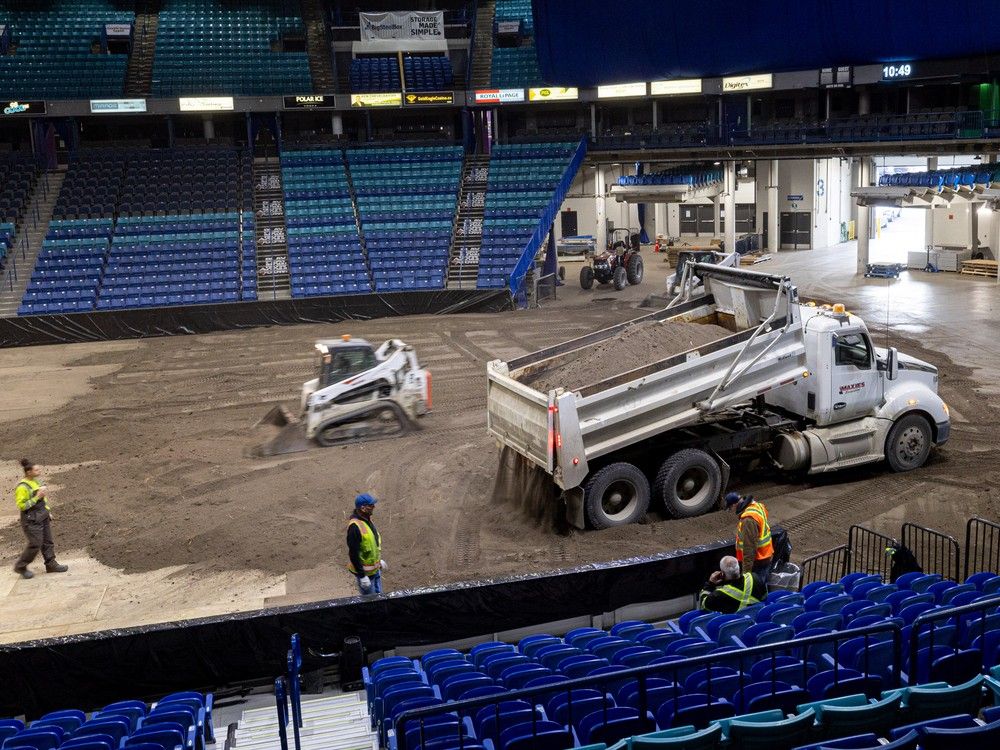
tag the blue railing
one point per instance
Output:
(873, 634)
(954, 629)
(548, 216)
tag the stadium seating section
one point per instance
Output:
(941, 179)
(692, 178)
(516, 10)
(203, 47)
(180, 720)
(54, 58)
(521, 183)
(406, 203)
(17, 177)
(427, 73)
(324, 251)
(830, 693)
(147, 228)
(516, 67)
(374, 74)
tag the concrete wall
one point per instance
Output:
(832, 200)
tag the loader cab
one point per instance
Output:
(341, 359)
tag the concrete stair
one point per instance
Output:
(335, 722)
(318, 46)
(482, 56)
(467, 229)
(34, 225)
(273, 279)
(139, 73)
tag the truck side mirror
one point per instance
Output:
(893, 363)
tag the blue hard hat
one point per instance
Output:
(364, 499)
(732, 498)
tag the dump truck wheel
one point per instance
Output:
(620, 278)
(634, 270)
(908, 443)
(586, 277)
(616, 495)
(688, 483)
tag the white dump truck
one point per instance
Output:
(800, 388)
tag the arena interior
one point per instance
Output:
(626, 260)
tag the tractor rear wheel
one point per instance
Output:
(586, 277)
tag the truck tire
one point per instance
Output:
(634, 270)
(689, 483)
(586, 277)
(616, 495)
(908, 443)
(620, 278)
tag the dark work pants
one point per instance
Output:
(38, 529)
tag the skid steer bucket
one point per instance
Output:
(291, 437)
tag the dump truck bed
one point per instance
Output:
(561, 428)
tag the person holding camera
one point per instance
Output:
(31, 497)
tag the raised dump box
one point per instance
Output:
(660, 407)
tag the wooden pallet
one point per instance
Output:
(987, 268)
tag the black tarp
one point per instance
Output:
(170, 321)
(91, 670)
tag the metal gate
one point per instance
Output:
(826, 566)
(867, 550)
(982, 547)
(935, 552)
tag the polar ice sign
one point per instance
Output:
(422, 25)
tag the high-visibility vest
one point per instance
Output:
(26, 495)
(370, 550)
(757, 512)
(744, 597)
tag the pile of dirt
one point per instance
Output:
(639, 344)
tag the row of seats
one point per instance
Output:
(54, 57)
(791, 696)
(940, 179)
(17, 176)
(201, 46)
(177, 721)
(522, 181)
(516, 67)
(682, 176)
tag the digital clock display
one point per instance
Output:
(897, 71)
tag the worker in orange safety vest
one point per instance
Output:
(754, 549)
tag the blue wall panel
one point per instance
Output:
(587, 42)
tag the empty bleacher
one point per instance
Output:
(406, 203)
(204, 47)
(53, 58)
(521, 184)
(855, 658)
(181, 720)
(376, 73)
(17, 176)
(427, 73)
(942, 179)
(516, 10)
(516, 67)
(324, 250)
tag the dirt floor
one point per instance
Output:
(153, 443)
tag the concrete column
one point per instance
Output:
(660, 218)
(717, 216)
(531, 122)
(208, 127)
(932, 162)
(600, 208)
(730, 206)
(773, 225)
(864, 102)
(656, 115)
(864, 216)
(337, 124)
(593, 120)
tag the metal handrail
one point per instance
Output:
(652, 670)
(988, 560)
(937, 615)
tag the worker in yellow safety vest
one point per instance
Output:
(729, 591)
(754, 549)
(364, 546)
(31, 497)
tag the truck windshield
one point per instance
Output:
(342, 363)
(853, 349)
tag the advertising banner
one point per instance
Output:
(499, 96)
(309, 101)
(553, 94)
(105, 106)
(206, 103)
(747, 83)
(508, 27)
(620, 90)
(415, 24)
(675, 87)
(118, 30)
(425, 98)
(24, 108)
(389, 99)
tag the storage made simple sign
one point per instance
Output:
(413, 24)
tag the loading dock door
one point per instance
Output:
(796, 229)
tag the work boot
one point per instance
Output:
(24, 573)
(55, 567)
